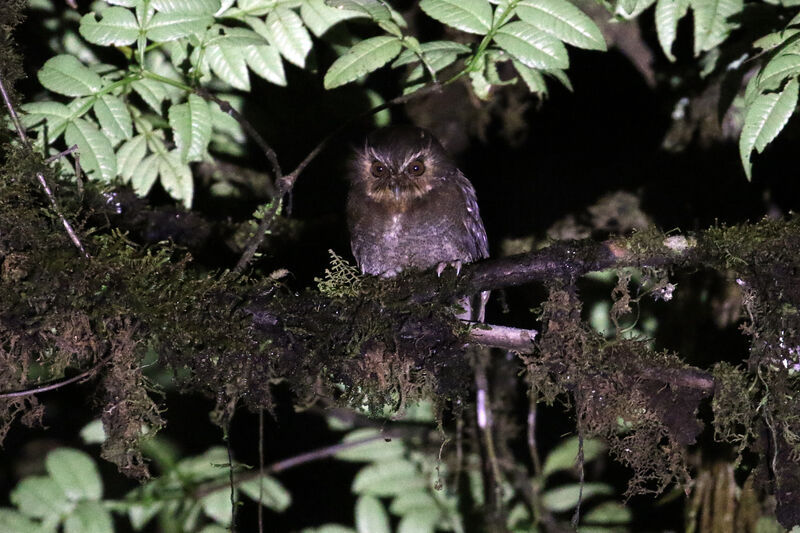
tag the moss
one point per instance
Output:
(618, 391)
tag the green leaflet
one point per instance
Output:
(64, 74)
(130, 155)
(273, 494)
(371, 516)
(266, 62)
(191, 123)
(712, 22)
(532, 47)
(288, 34)
(472, 16)
(97, 156)
(176, 178)
(566, 497)
(207, 7)
(765, 118)
(114, 118)
(168, 26)
(562, 20)
(228, 63)
(388, 478)
(366, 56)
(319, 17)
(74, 471)
(89, 517)
(117, 26)
(40, 497)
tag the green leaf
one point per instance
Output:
(273, 495)
(265, 61)
(480, 84)
(564, 455)
(377, 11)
(668, 13)
(98, 160)
(75, 471)
(410, 501)
(319, 17)
(228, 63)
(564, 21)
(532, 47)
(14, 522)
(371, 517)
(712, 23)
(611, 513)
(430, 50)
(145, 176)
(55, 114)
(114, 118)
(93, 432)
(152, 92)
(203, 7)
(287, 33)
(532, 78)
(420, 521)
(562, 77)
(140, 515)
(89, 517)
(764, 120)
(779, 68)
(366, 56)
(375, 451)
(565, 497)
(472, 16)
(40, 497)
(176, 178)
(217, 505)
(117, 26)
(388, 478)
(329, 528)
(191, 123)
(630, 9)
(66, 75)
(175, 25)
(214, 528)
(130, 155)
(775, 39)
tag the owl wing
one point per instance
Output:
(473, 222)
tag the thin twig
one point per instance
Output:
(58, 384)
(59, 155)
(261, 469)
(297, 460)
(505, 337)
(284, 184)
(226, 107)
(230, 477)
(39, 176)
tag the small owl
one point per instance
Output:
(410, 207)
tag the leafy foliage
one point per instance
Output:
(171, 49)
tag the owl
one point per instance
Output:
(409, 206)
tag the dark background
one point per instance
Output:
(604, 137)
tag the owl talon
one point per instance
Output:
(444, 264)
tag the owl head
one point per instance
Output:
(399, 164)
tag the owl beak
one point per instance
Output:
(396, 191)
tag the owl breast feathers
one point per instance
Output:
(409, 206)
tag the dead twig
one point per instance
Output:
(58, 384)
(39, 175)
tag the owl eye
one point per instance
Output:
(379, 170)
(416, 168)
